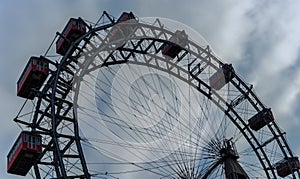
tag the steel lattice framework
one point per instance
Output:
(55, 117)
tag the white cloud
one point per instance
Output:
(275, 55)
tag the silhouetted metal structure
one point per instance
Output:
(54, 120)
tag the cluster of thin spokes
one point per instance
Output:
(137, 121)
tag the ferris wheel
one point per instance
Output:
(142, 97)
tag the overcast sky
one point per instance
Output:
(260, 37)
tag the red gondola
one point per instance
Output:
(73, 30)
(33, 77)
(121, 30)
(24, 153)
(172, 50)
(222, 77)
(287, 166)
(261, 119)
(125, 16)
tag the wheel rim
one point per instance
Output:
(63, 143)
